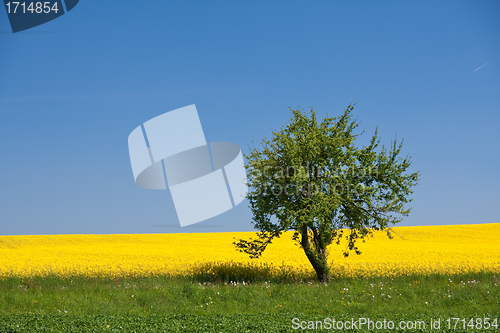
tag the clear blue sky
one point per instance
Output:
(73, 89)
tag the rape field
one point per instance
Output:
(413, 250)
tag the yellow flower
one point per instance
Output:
(413, 250)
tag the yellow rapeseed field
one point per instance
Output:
(414, 250)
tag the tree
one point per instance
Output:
(310, 178)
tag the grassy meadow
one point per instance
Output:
(200, 283)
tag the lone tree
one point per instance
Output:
(310, 178)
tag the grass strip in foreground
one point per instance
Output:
(432, 295)
(278, 322)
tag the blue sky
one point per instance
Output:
(73, 89)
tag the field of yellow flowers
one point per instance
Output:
(413, 250)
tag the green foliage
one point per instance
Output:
(311, 178)
(229, 323)
(180, 305)
(170, 323)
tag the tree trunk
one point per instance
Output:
(317, 257)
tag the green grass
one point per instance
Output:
(186, 304)
(281, 322)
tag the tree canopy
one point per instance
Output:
(310, 178)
